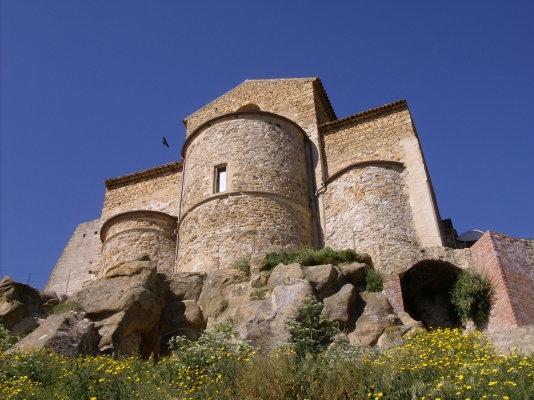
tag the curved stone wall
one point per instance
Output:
(367, 209)
(132, 235)
(266, 204)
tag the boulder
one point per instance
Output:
(323, 278)
(181, 318)
(185, 285)
(21, 306)
(286, 300)
(377, 315)
(125, 306)
(223, 293)
(284, 274)
(392, 336)
(354, 274)
(260, 279)
(263, 322)
(69, 334)
(339, 307)
(253, 323)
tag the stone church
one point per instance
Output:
(269, 166)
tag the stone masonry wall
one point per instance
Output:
(233, 226)
(158, 192)
(133, 235)
(367, 209)
(296, 99)
(261, 153)
(509, 264)
(267, 181)
(387, 134)
(370, 139)
(80, 260)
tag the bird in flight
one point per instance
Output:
(165, 143)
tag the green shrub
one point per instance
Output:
(6, 339)
(472, 297)
(373, 280)
(65, 306)
(243, 265)
(308, 257)
(310, 333)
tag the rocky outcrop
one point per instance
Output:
(185, 285)
(223, 293)
(133, 309)
(22, 307)
(340, 306)
(377, 315)
(354, 273)
(181, 318)
(126, 306)
(69, 333)
(285, 275)
(323, 278)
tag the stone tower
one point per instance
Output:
(246, 189)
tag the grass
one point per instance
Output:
(308, 257)
(65, 306)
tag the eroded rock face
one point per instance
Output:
(21, 306)
(126, 306)
(69, 333)
(133, 309)
(354, 274)
(181, 318)
(340, 307)
(185, 285)
(223, 293)
(284, 275)
(323, 278)
(376, 316)
(263, 322)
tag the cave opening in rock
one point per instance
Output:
(426, 291)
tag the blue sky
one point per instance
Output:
(88, 88)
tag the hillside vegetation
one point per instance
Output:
(443, 364)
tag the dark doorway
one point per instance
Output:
(426, 291)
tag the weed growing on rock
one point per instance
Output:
(310, 332)
(373, 280)
(242, 265)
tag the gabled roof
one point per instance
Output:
(144, 174)
(316, 81)
(372, 112)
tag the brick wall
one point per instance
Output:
(509, 264)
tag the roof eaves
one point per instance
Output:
(324, 97)
(144, 174)
(373, 112)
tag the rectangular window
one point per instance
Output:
(220, 179)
